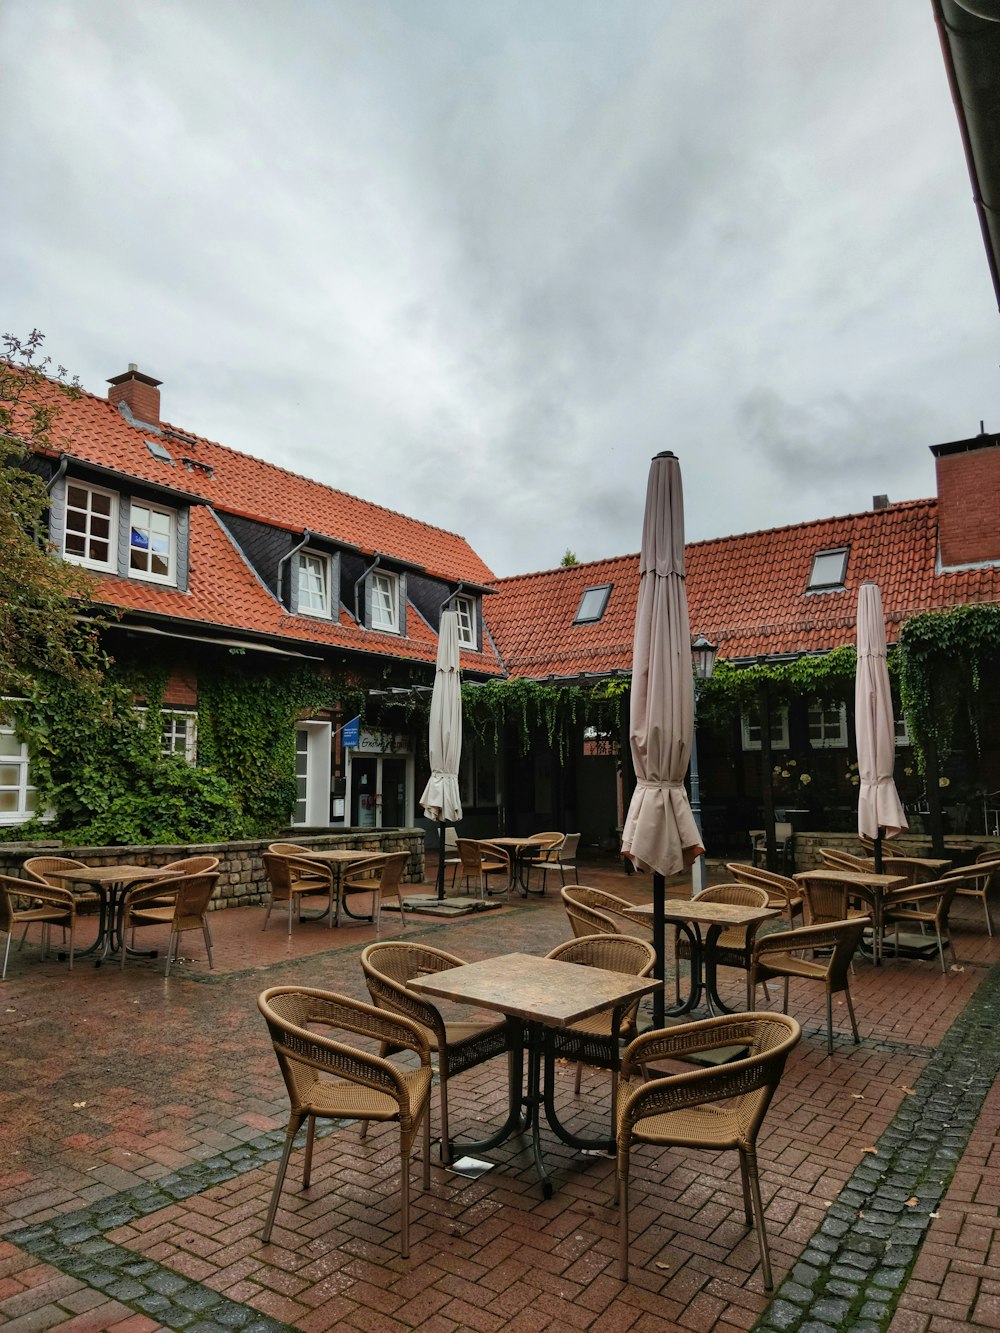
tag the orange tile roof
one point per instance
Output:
(224, 592)
(747, 593)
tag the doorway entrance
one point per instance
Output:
(381, 790)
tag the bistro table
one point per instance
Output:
(863, 884)
(540, 995)
(111, 883)
(517, 847)
(689, 915)
(339, 859)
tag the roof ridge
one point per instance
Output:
(581, 564)
(929, 502)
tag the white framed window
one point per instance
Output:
(152, 543)
(902, 732)
(466, 614)
(91, 526)
(385, 602)
(828, 570)
(180, 734)
(827, 726)
(750, 727)
(314, 584)
(18, 797)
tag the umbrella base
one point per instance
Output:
(427, 906)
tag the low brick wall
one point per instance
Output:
(242, 881)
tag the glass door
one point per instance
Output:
(381, 790)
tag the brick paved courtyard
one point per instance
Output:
(142, 1120)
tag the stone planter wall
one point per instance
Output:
(242, 881)
(961, 847)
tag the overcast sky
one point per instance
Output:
(478, 260)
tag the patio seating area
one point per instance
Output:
(145, 1116)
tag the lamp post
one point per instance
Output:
(703, 660)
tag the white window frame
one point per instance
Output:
(150, 575)
(23, 786)
(465, 611)
(902, 731)
(319, 564)
(750, 729)
(830, 722)
(110, 565)
(170, 733)
(385, 602)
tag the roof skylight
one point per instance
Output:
(592, 604)
(828, 570)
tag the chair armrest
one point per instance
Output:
(673, 1043)
(145, 891)
(48, 894)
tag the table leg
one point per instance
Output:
(517, 1121)
(697, 972)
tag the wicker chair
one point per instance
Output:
(838, 860)
(715, 1108)
(782, 892)
(978, 885)
(291, 880)
(732, 946)
(188, 865)
(924, 905)
(52, 870)
(314, 871)
(594, 912)
(143, 905)
(459, 1045)
(540, 847)
(330, 1078)
(782, 954)
(480, 860)
(828, 900)
(597, 1040)
(378, 876)
(25, 902)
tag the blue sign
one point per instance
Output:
(350, 733)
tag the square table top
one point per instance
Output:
(866, 878)
(545, 990)
(510, 841)
(707, 914)
(339, 855)
(115, 874)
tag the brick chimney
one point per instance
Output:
(140, 394)
(968, 489)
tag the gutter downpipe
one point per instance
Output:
(306, 536)
(359, 580)
(58, 475)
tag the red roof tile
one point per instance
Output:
(747, 593)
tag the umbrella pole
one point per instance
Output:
(440, 883)
(659, 936)
(878, 851)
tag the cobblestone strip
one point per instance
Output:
(853, 1271)
(74, 1243)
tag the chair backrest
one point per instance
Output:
(391, 870)
(304, 1056)
(615, 953)
(193, 865)
(935, 896)
(569, 845)
(915, 870)
(193, 893)
(838, 860)
(841, 938)
(824, 900)
(780, 889)
(737, 895)
(279, 876)
(469, 854)
(549, 839)
(390, 965)
(22, 893)
(287, 848)
(450, 838)
(595, 912)
(46, 869)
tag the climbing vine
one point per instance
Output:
(530, 707)
(826, 678)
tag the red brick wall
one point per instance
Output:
(968, 486)
(181, 690)
(143, 399)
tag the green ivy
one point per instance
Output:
(530, 707)
(826, 678)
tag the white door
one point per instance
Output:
(312, 775)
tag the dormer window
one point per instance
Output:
(314, 584)
(152, 543)
(828, 570)
(91, 524)
(385, 602)
(466, 613)
(592, 604)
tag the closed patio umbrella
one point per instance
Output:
(660, 833)
(440, 800)
(880, 813)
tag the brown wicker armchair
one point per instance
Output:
(978, 885)
(597, 1040)
(292, 879)
(782, 954)
(594, 912)
(479, 860)
(144, 905)
(25, 902)
(459, 1045)
(330, 1078)
(378, 876)
(925, 905)
(715, 1109)
(782, 892)
(732, 946)
(307, 869)
(838, 860)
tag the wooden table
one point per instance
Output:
(516, 847)
(540, 995)
(111, 883)
(339, 859)
(867, 885)
(689, 915)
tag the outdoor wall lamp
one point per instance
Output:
(703, 654)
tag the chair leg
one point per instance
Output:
(208, 943)
(747, 1200)
(784, 1006)
(310, 1141)
(758, 1209)
(621, 1192)
(6, 955)
(989, 921)
(854, 1021)
(294, 1122)
(443, 1096)
(173, 944)
(404, 1199)
(829, 1023)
